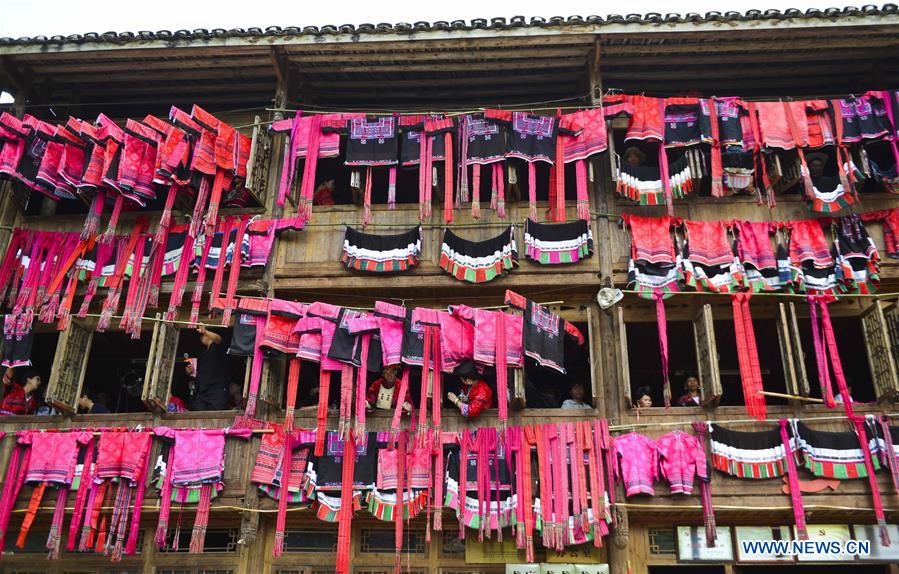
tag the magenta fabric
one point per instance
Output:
(392, 321)
(53, 455)
(199, 455)
(456, 341)
(681, 458)
(329, 314)
(637, 463)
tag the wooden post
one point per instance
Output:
(606, 342)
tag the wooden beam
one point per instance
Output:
(855, 41)
(342, 54)
(416, 67)
(427, 83)
(690, 60)
(140, 76)
(734, 72)
(150, 65)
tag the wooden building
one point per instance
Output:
(250, 77)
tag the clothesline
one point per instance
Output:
(885, 296)
(620, 504)
(730, 422)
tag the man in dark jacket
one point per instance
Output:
(211, 392)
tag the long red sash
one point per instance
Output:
(748, 356)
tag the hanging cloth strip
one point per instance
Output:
(115, 283)
(748, 356)
(479, 261)
(705, 486)
(346, 506)
(870, 467)
(551, 244)
(826, 353)
(793, 480)
(886, 442)
(381, 253)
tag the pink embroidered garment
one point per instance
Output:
(681, 458)
(637, 463)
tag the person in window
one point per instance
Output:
(92, 404)
(642, 398)
(324, 193)
(816, 162)
(211, 392)
(20, 398)
(236, 400)
(634, 156)
(576, 394)
(383, 394)
(180, 391)
(474, 394)
(691, 396)
(838, 398)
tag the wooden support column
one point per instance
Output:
(8, 213)
(606, 341)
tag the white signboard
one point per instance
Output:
(827, 533)
(522, 569)
(871, 532)
(691, 544)
(762, 534)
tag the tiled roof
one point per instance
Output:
(497, 24)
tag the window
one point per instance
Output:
(323, 540)
(67, 374)
(452, 545)
(114, 374)
(382, 541)
(771, 344)
(642, 341)
(218, 541)
(662, 542)
(548, 388)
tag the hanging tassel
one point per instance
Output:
(391, 188)
(748, 358)
(859, 424)
(198, 536)
(559, 170)
(166, 220)
(793, 480)
(307, 186)
(180, 282)
(583, 201)
(820, 354)
(399, 509)
(448, 166)
(54, 538)
(476, 191)
(197, 295)
(502, 374)
(346, 401)
(398, 410)
(532, 191)
(366, 202)
(109, 234)
(500, 191)
(293, 384)
(220, 181)
(92, 221)
(227, 227)
(717, 164)
(662, 325)
(236, 261)
(344, 528)
(362, 384)
(324, 387)
(284, 491)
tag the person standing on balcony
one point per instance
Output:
(691, 396)
(211, 392)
